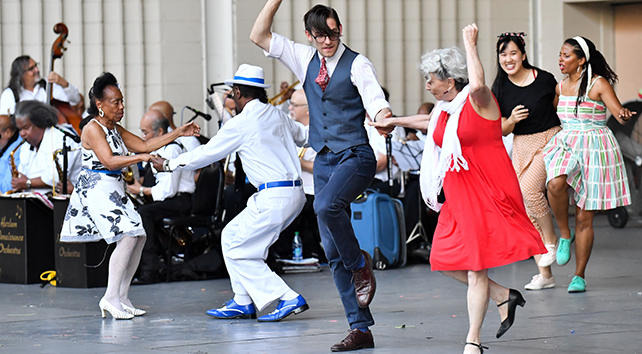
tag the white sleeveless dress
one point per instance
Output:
(99, 207)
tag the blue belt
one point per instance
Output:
(296, 183)
(107, 172)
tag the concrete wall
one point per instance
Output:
(173, 49)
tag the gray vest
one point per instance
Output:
(336, 115)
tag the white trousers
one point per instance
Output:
(246, 239)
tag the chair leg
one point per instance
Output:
(169, 253)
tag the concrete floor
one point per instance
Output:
(416, 310)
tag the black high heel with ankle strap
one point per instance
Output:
(481, 347)
(514, 298)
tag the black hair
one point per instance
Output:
(501, 76)
(162, 123)
(316, 19)
(253, 92)
(386, 94)
(599, 66)
(18, 69)
(40, 114)
(97, 91)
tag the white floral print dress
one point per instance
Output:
(99, 207)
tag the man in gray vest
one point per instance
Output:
(340, 86)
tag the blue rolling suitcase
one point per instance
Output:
(378, 222)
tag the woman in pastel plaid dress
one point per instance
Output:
(585, 154)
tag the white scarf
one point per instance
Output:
(435, 161)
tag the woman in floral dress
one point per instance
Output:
(98, 207)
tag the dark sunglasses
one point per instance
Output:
(518, 35)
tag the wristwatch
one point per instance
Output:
(28, 183)
(166, 166)
(141, 192)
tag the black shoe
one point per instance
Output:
(355, 340)
(147, 277)
(514, 298)
(481, 347)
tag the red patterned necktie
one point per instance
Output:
(323, 77)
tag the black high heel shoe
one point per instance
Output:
(514, 298)
(481, 347)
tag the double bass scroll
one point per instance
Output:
(66, 114)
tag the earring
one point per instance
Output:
(578, 69)
(101, 113)
(446, 91)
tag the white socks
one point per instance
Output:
(290, 295)
(242, 300)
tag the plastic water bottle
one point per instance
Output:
(297, 247)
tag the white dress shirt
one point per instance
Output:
(378, 144)
(38, 162)
(308, 178)
(168, 184)
(296, 57)
(68, 94)
(265, 139)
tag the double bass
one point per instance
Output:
(66, 114)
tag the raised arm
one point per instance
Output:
(480, 95)
(261, 33)
(387, 124)
(135, 144)
(607, 95)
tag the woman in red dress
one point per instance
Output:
(483, 223)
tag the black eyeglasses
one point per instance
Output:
(519, 35)
(32, 67)
(322, 37)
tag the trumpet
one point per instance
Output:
(14, 168)
(273, 101)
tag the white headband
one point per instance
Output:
(580, 40)
(587, 54)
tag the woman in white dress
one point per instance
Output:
(98, 207)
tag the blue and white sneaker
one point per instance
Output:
(233, 310)
(285, 308)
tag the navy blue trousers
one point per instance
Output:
(338, 179)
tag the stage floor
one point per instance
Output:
(416, 310)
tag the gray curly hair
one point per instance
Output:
(445, 63)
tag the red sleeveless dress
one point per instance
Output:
(483, 223)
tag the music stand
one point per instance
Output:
(408, 155)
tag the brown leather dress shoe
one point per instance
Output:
(355, 340)
(365, 283)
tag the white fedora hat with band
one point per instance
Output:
(249, 75)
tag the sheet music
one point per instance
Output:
(408, 154)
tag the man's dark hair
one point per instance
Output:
(18, 69)
(253, 92)
(162, 123)
(316, 19)
(40, 114)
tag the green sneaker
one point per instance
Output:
(577, 285)
(564, 249)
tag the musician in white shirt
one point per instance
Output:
(25, 84)
(38, 170)
(171, 195)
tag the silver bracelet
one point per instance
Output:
(166, 166)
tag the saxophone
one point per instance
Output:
(58, 167)
(14, 168)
